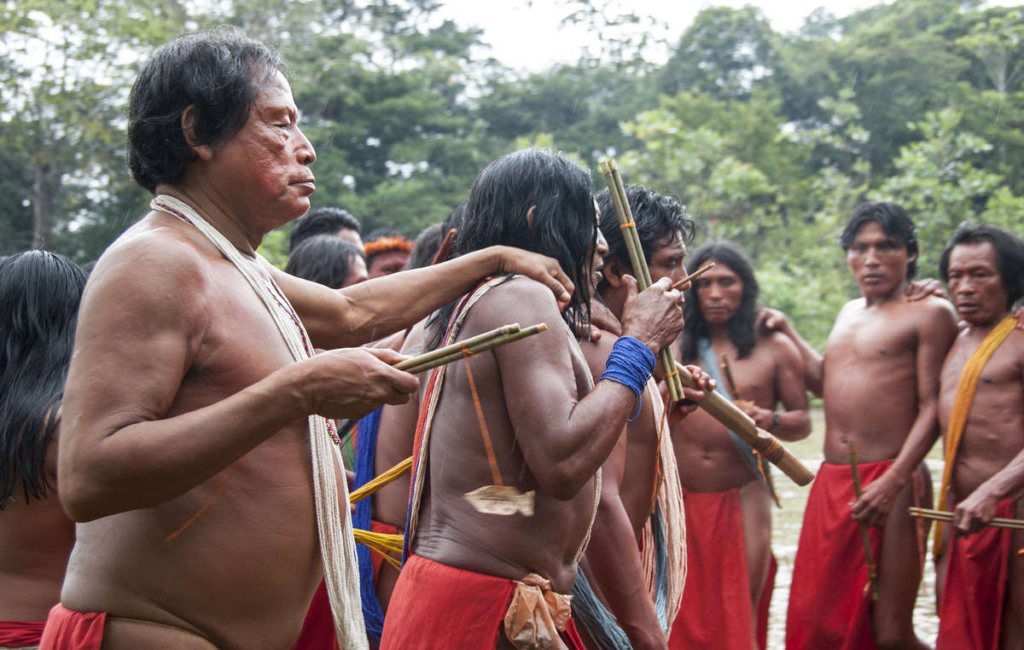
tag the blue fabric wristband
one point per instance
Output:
(630, 364)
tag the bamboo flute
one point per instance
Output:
(717, 406)
(869, 556)
(448, 349)
(939, 515)
(693, 276)
(639, 263)
(459, 351)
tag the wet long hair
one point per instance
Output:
(741, 327)
(1009, 252)
(563, 226)
(39, 297)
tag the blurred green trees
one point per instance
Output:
(770, 139)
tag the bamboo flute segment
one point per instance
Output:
(484, 346)
(939, 515)
(457, 347)
(869, 557)
(636, 257)
(693, 276)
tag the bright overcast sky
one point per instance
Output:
(528, 35)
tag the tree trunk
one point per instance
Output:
(44, 193)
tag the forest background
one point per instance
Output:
(770, 139)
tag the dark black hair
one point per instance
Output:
(895, 222)
(381, 233)
(1009, 252)
(658, 218)
(741, 327)
(323, 259)
(326, 220)
(220, 72)
(425, 248)
(563, 224)
(39, 296)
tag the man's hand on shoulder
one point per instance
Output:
(925, 288)
(654, 316)
(537, 267)
(351, 382)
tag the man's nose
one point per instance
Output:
(602, 244)
(305, 153)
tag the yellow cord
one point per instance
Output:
(380, 481)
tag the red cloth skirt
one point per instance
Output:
(14, 634)
(716, 612)
(376, 559)
(70, 630)
(438, 606)
(974, 595)
(828, 607)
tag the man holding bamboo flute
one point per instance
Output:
(729, 584)
(879, 378)
(636, 596)
(194, 403)
(509, 443)
(981, 411)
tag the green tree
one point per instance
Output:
(64, 67)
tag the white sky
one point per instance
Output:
(528, 35)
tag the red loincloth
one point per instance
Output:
(765, 604)
(716, 613)
(974, 595)
(438, 606)
(828, 607)
(70, 630)
(14, 634)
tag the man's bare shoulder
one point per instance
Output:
(517, 300)
(151, 264)
(782, 348)
(933, 307)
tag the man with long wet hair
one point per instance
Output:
(510, 442)
(728, 589)
(39, 296)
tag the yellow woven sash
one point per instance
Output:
(965, 390)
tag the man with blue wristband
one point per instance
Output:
(524, 420)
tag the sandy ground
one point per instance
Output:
(786, 534)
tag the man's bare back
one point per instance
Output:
(452, 532)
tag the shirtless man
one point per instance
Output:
(613, 563)
(543, 429)
(982, 602)
(39, 296)
(182, 392)
(728, 587)
(880, 379)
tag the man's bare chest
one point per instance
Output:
(871, 338)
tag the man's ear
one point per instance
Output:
(530, 214)
(189, 119)
(613, 271)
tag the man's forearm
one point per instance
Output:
(385, 305)
(614, 560)
(147, 463)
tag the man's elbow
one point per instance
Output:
(563, 482)
(81, 495)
